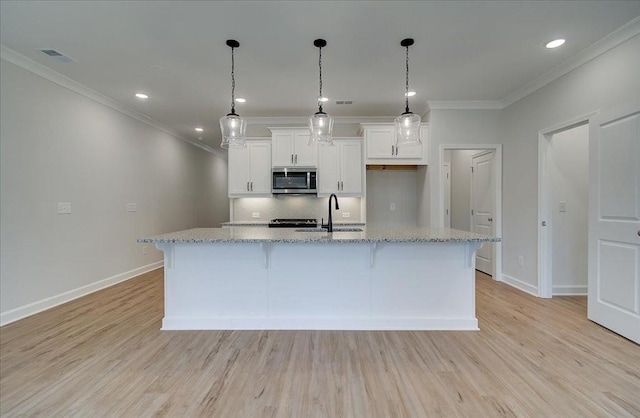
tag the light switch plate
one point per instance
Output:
(132, 207)
(346, 214)
(392, 206)
(255, 215)
(64, 207)
(562, 206)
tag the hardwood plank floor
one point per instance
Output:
(104, 355)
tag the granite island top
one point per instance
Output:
(266, 223)
(290, 235)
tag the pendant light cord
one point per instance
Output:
(233, 84)
(407, 83)
(320, 66)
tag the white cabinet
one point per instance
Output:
(250, 170)
(290, 148)
(380, 146)
(340, 168)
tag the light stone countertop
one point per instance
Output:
(290, 235)
(266, 223)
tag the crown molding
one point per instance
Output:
(612, 40)
(465, 104)
(304, 120)
(47, 73)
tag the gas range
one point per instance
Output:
(293, 223)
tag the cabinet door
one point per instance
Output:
(410, 151)
(305, 155)
(282, 144)
(260, 165)
(379, 141)
(328, 169)
(351, 167)
(238, 171)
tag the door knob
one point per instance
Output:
(544, 223)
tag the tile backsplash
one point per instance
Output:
(293, 207)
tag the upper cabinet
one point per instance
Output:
(340, 168)
(249, 170)
(380, 148)
(290, 148)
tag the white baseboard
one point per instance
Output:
(344, 324)
(519, 284)
(569, 290)
(48, 303)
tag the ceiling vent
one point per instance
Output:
(57, 55)
(344, 102)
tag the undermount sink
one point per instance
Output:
(334, 230)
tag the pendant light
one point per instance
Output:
(233, 127)
(320, 124)
(408, 124)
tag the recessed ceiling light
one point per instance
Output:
(555, 43)
(141, 96)
(240, 100)
(323, 99)
(410, 93)
(199, 130)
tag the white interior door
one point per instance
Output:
(614, 221)
(446, 185)
(482, 210)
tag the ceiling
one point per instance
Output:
(481, 51)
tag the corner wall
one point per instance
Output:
(59, 146)
(606, 82)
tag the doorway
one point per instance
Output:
(563, 200)
(457, 195)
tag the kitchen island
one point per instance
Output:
(265, 278)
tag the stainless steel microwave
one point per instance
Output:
(295, 180)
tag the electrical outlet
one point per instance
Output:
(64, 207)
(144, 250)
(562, 206)
(392, 206)
(346, 214)
(520, 260)
(132, 207)
(255, 215)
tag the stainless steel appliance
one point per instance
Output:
(294, 181)
(293, 223)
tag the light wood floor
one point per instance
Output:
(104, 355)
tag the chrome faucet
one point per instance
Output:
(329, 225)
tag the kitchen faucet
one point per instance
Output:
(329, 225)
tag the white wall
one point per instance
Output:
(398, 187)
(568, 165)
(461, 189)
(605, 82)
(60, 146)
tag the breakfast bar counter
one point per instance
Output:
(352, 278)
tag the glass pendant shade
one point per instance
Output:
(408, 129)
(233, 129)
(408, 124)
(321, 126)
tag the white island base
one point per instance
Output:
(319, 286)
